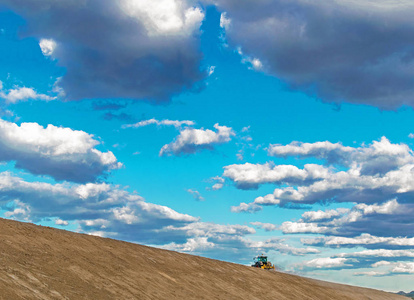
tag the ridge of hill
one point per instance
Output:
(39, 262)
(409, 294)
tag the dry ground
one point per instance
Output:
(44, 263)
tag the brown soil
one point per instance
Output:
(44, 263)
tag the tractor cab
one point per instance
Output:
(260, 261)
(261, 258)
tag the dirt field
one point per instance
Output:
(45, 263)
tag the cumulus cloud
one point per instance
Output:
(375, 179)
(368, 174)
(365, 240)
(119, 49)
(381, 253)
(219, 183)
(250, 176)
(192, 140)
(377, 158)
(297, 41)
(61, 222)
(325, 263)
(246, 207)
(175, 123)
(95, 207)
(21, 94)
(404, 268)
(62, 153)
(47, 46)
(395, 261)
(390, 219)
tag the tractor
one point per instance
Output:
(261, 262)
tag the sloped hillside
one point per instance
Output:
(44, 263)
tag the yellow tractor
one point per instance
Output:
(261, 262)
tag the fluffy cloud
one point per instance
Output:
(62, 153)
(325, 263)
(365, 240)
(393, 260)
(246, 207)
(47, 46)
(388, 220)
(404, 268)
(20, 94)
(376, 178)
(192, 140)
(175, 123)
(380, 253)
(368, 174)
(377, 158)
(219, 183)
(250, 176)
(104, 208)
(297, 41)
(119, 49)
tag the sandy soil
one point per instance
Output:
(44, 263)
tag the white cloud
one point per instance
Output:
(370, 273)
(96, 207)
(253, 62)
(61, 222)
(225, 22)
(382, 253)
(164, 17)
(219, 183)
(350, 222)
(280, 246)
(367, 174)
(387, 208)
(404, 268)
(47, 46)
(381, 263)
(312, 216)
(21, 94)
(364, 260)
(20, 211)
(249, 175)
(377, 158)
(62, 153)
(244, 207)
(192, 245)
(193, 140)
(364, 240)
(166, 122)
(325, 263)
(297, 227)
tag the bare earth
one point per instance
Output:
(44, 263)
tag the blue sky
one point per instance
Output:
(278, 136)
